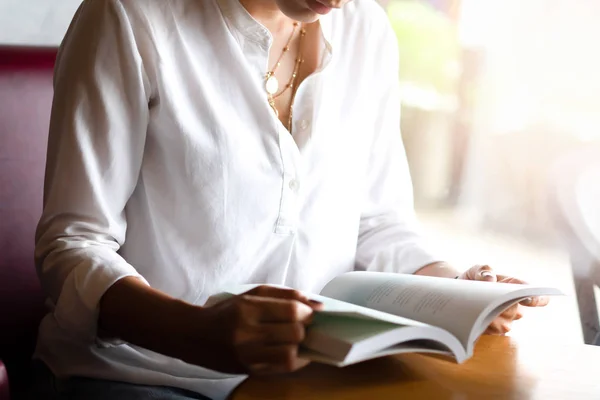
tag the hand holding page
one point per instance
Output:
(463, 308)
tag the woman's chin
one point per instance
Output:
(310, 17)
(307, 16)
(299, 12)
(318, 8)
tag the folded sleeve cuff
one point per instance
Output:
(77, 308)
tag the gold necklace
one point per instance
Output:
(271, 82)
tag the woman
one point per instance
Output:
(196, 144)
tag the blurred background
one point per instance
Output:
(501, 124)
(501, 116)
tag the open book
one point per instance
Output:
(373, 314)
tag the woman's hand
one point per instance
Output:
(258, 332)
(503, 323)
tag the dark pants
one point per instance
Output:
(47, 386)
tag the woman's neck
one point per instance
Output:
(268, 14)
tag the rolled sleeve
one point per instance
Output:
(390, 238)
(95, 149)
(76, 310)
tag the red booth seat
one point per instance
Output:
(25, 102)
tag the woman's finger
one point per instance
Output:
(272, 359)
(278, 293)
(480, 273)
(510, 279)
(519, 314)
(269, 309)
(274, 334)
(515, 312)
(500, 326)
(538, 301)
(284, 293)
(491, 330)
(494, 330)
(510, 312)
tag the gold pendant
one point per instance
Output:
(272, 85)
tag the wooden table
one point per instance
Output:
(502, 368)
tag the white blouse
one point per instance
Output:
(166, 162)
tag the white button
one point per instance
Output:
(294, 185)
(304, 124)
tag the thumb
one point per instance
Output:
(482, 273)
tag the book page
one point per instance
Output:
(350, 338)
(451, 304)
(415, 346)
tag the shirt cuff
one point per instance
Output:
(77, 308)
